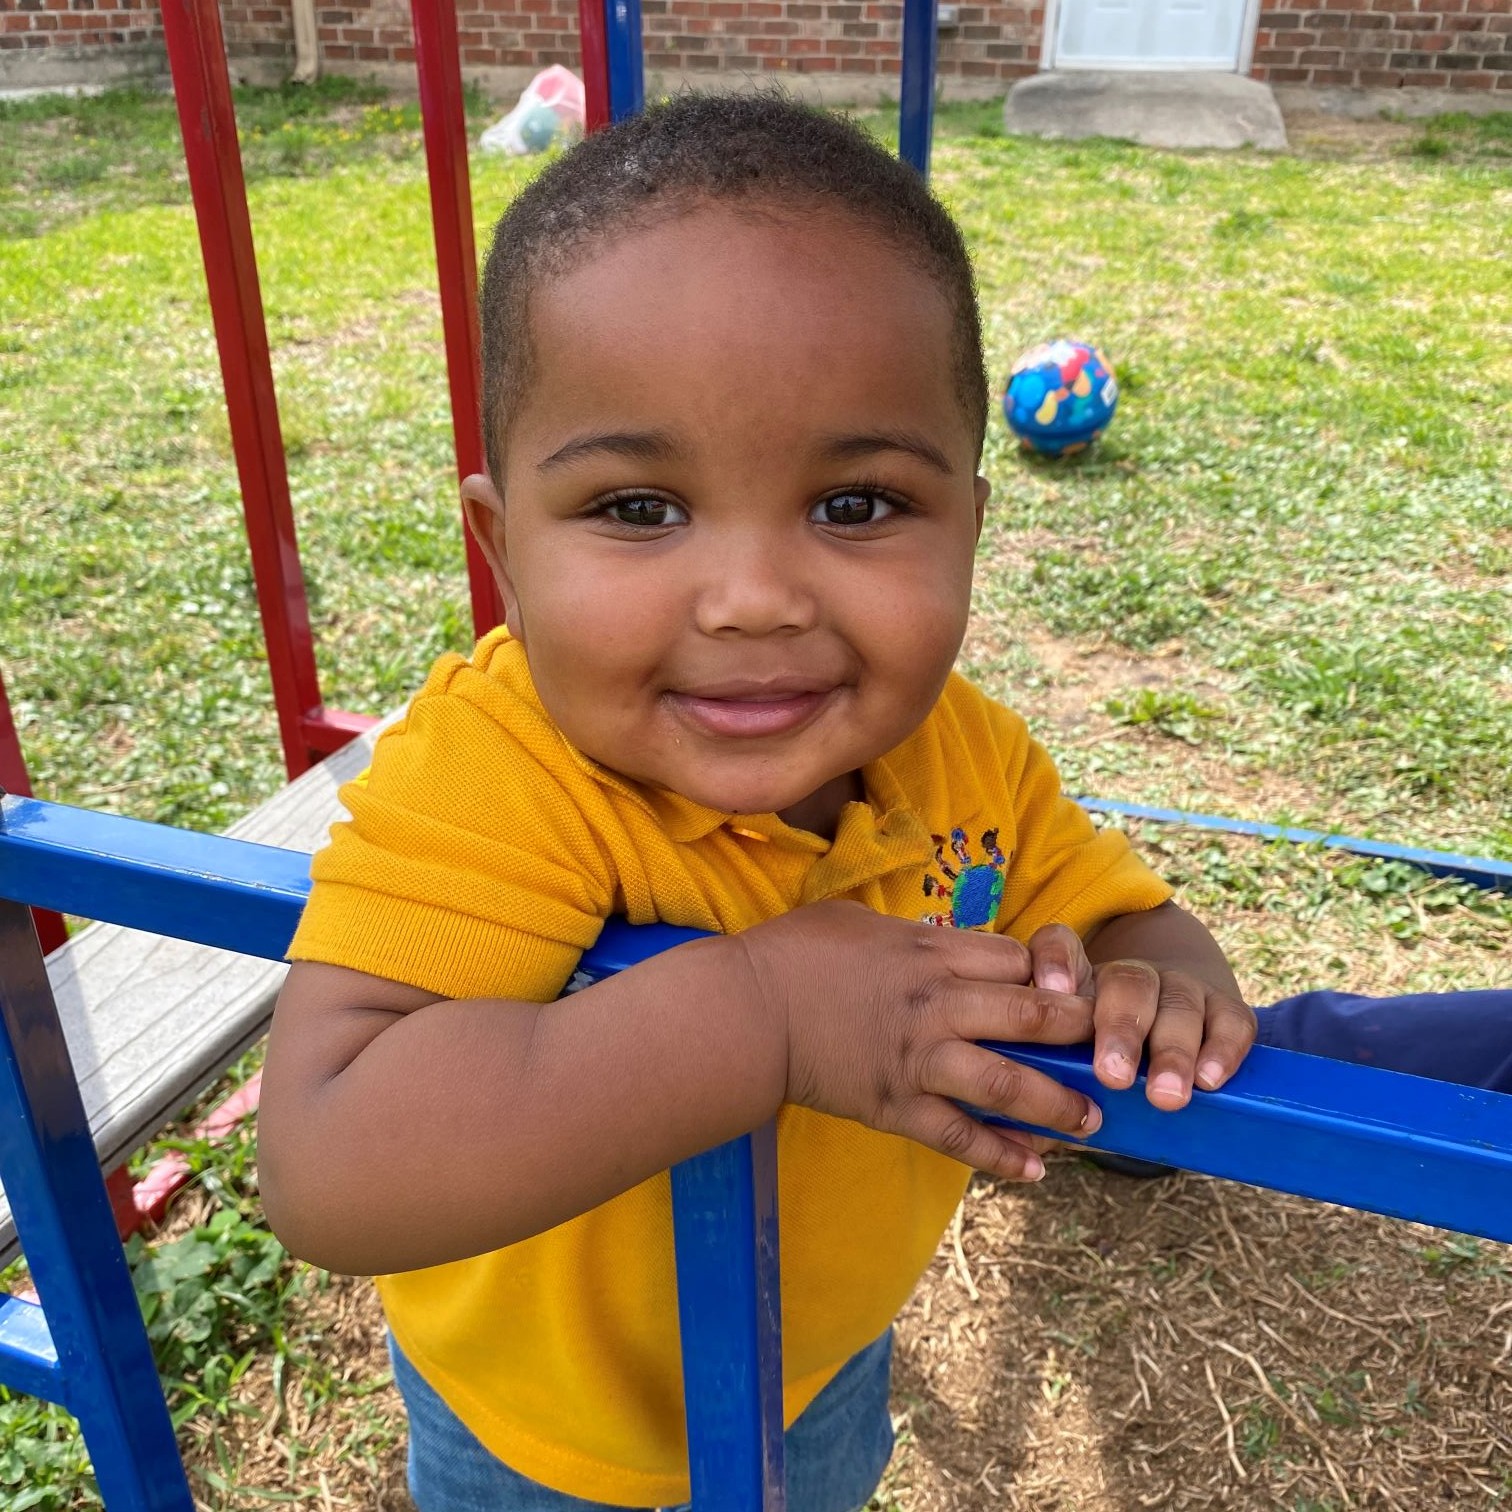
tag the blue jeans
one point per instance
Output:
(835, 1452)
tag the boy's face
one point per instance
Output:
(740, 507)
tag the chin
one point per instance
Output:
(746, 803)
(744, 798)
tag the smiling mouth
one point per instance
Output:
(742, 714)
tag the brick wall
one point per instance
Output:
(857, 39)
(1386, 44)
(44, 34)
(847, 48)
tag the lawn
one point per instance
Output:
(1280, 588)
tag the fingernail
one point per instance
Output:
(1091, 1121)
(1118, 1068)
(1058, 979)
(1034, 1168)
(1210, 1073)
(1167, 1084)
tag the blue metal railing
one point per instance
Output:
(89, 1350)
(1484, 872)
(627, 80)
(1424, 1150)
(916, 83)
(627, 85)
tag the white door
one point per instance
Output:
(1149, 34)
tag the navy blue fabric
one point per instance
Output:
(1463, 1037)
(835, 1452)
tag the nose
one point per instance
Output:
(752, 584)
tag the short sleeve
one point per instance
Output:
(1063, 870)
(467, 867)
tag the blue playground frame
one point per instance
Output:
(627, 88)
(1393, 1144)
(1400, 1145)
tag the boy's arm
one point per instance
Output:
(1160, 983)
(399, 1131)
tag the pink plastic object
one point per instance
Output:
(562, 90)
(149, 1198)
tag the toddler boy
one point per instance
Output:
(734, 404)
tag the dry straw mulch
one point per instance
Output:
(1095, 1344)
(1102, 1344)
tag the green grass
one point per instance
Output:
(1305, 487)
(1306, 490)
(1293, 550)
(63, 158)
(129, 590)
(1464, 137)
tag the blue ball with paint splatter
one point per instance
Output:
(1060, 397)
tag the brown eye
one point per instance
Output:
(645, 514)
(851, 509)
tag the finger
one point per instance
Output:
(1175, 1039)
(942, 1126)
(975, 957)
(1024, 1015)
(999, 1084)
(1059, 962)
(1227, 1039)
(1128, 995)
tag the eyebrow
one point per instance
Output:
(851, 448)
(660, 446)
(638, 446)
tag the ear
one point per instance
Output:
(483, 509)
(983, 491)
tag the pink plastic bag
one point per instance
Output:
(550, 109)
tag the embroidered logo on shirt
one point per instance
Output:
(970, 889)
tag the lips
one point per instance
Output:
(749, 710)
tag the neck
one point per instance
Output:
(819, 813)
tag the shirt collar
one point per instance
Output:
(875, 837)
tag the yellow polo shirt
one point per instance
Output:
(482, 856)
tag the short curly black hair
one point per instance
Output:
(733, 147)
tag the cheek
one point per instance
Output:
(588, 622)
(923, 615)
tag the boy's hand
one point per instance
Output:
(881, 1016)
(1193, 1030)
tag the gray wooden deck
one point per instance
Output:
(150, 1022)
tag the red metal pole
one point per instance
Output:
(197, 57)
(442, 109)
(593, 35)
(51, 931)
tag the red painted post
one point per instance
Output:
(197, 58)
(51, 931)
(442, 108)
(593, 35)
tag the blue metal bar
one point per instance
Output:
(724, 1219)
(63, 1219)
(1494, 876)
(621, 944)
(1244, 1115)
(627, 76)
(916, 92)
(28, 1357)
(1431, 1151)
(204, 888)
